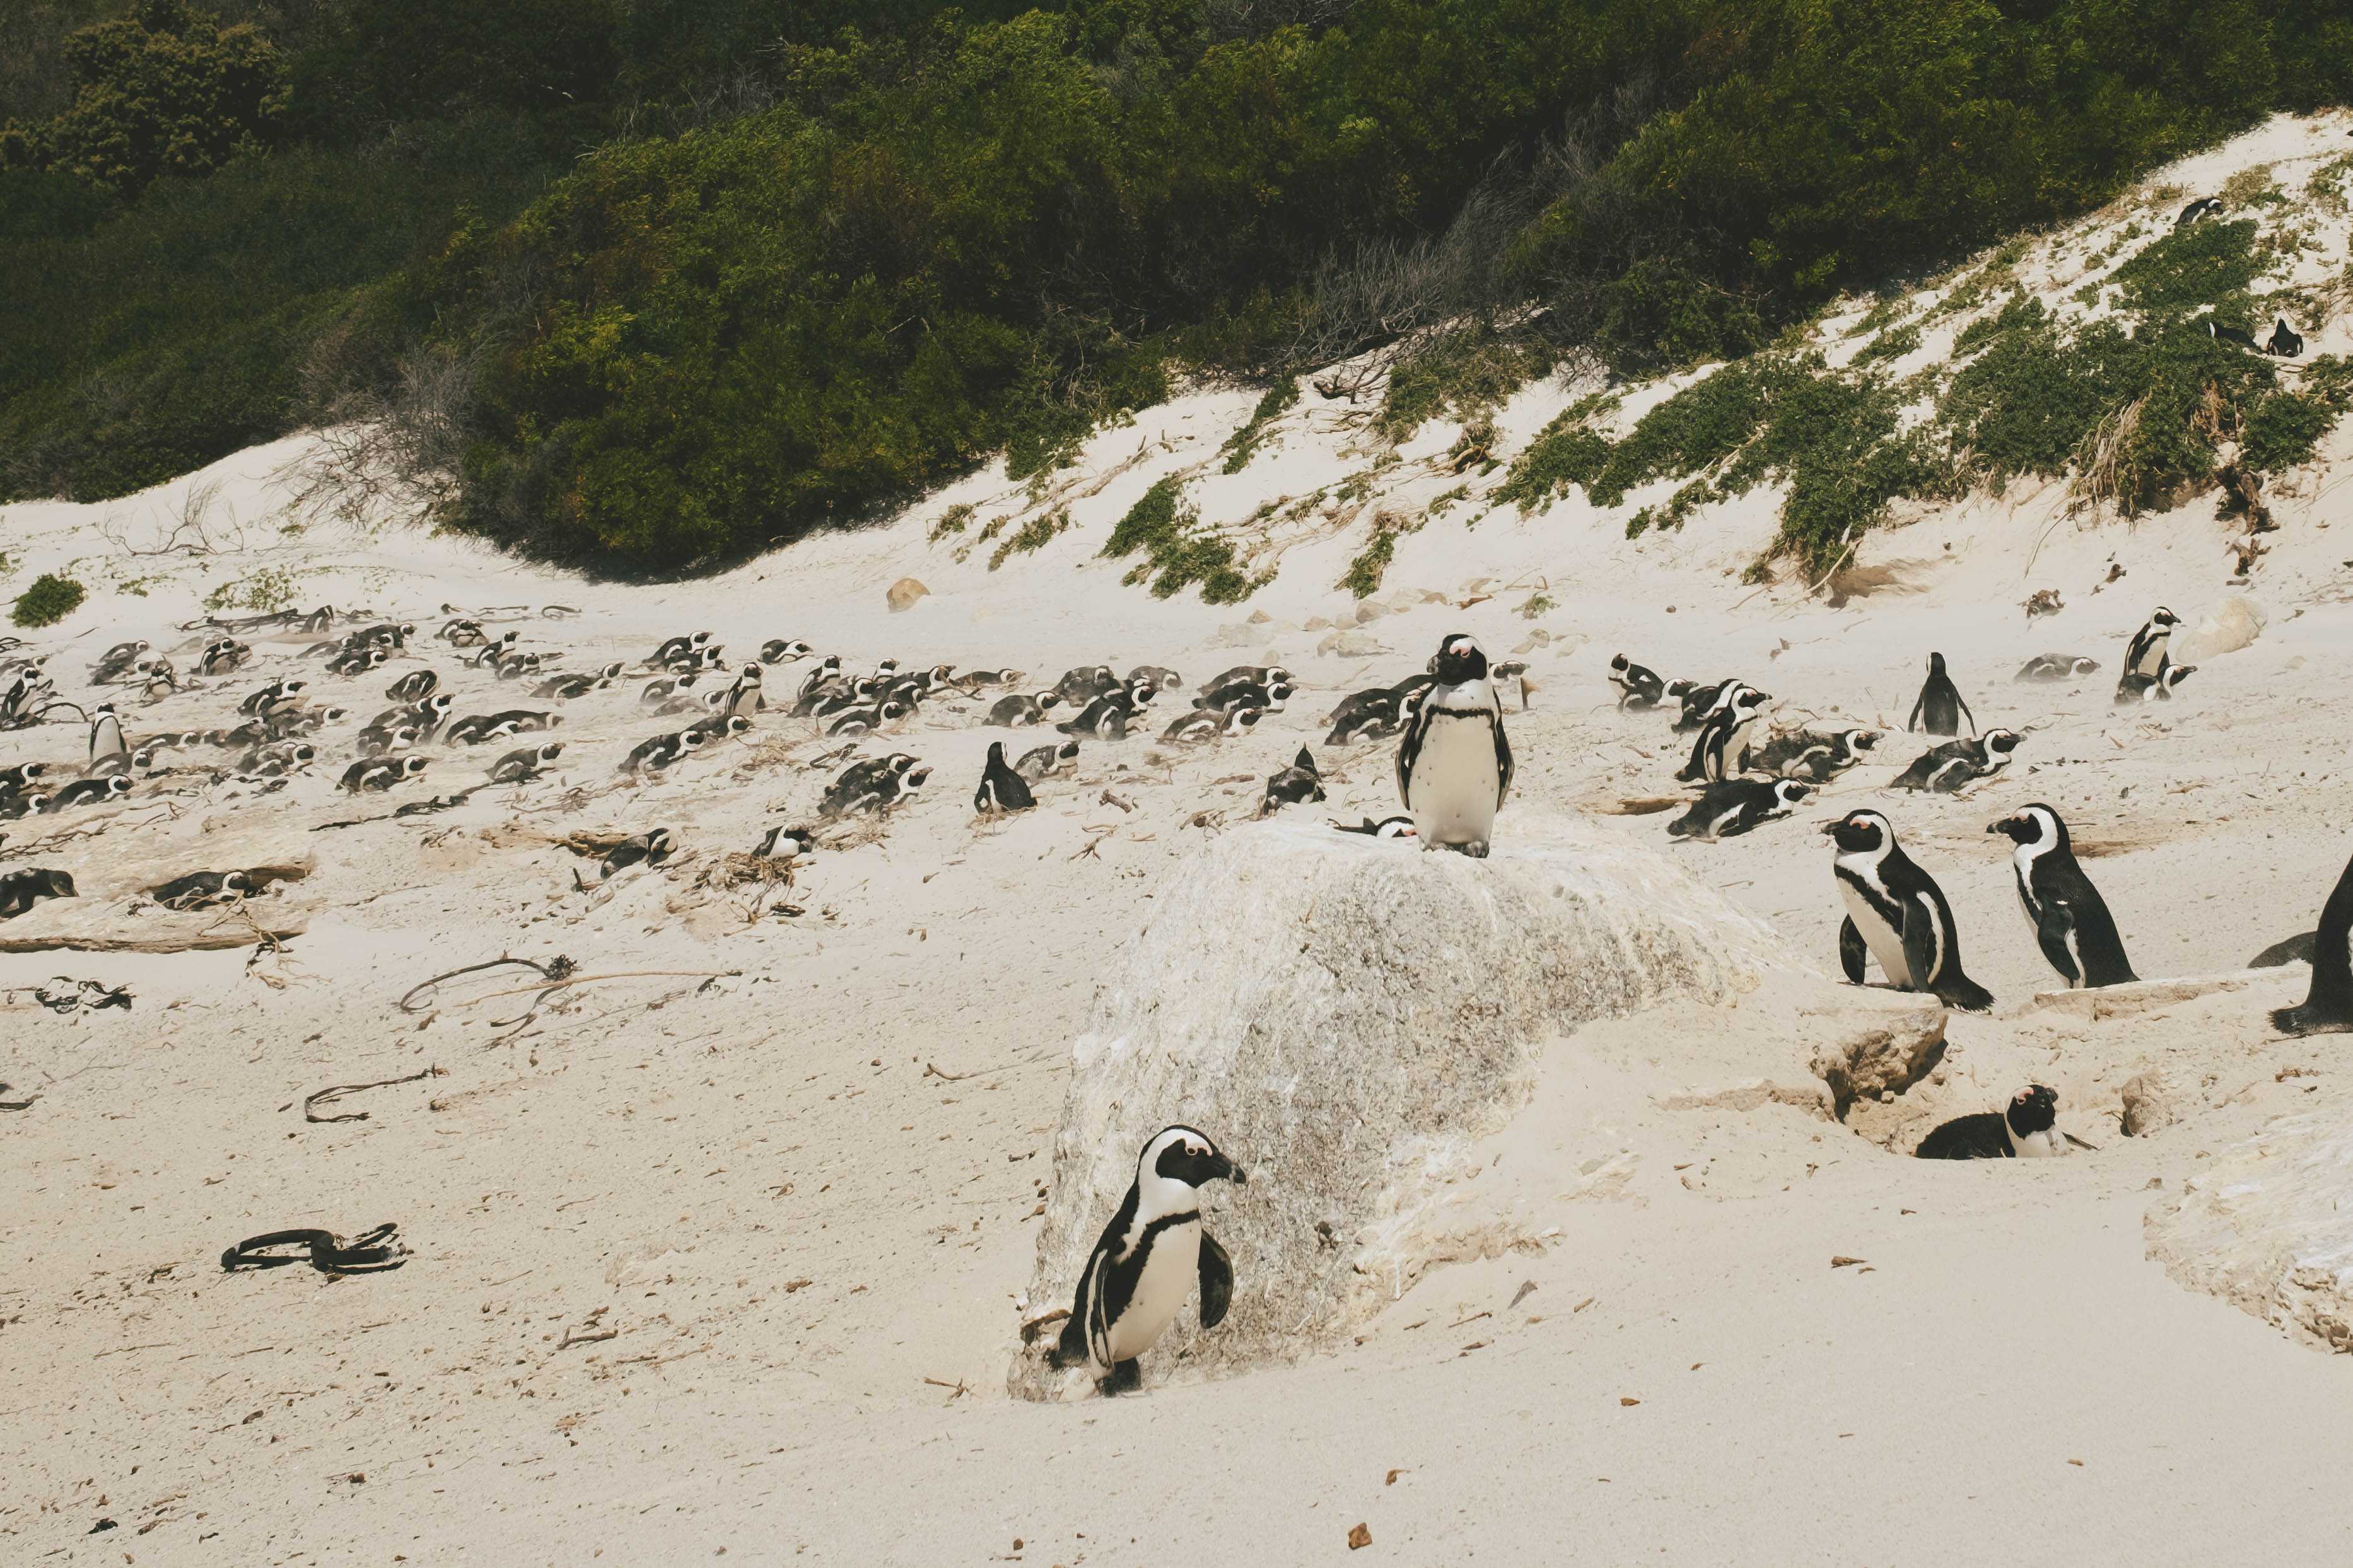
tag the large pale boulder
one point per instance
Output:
(2268, 1225)
(1348, 1018)
(2233, 623)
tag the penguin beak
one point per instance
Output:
(1829, 827)
(1221, 1166)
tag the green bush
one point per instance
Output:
(1177, 552)
(50, 600)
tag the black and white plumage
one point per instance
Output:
(973, 680)
(2070, 921)
(2027, 1130)
(1638, 688)
(1041, 762)
(2329, 1006)
(783, 651)
(824, 670)
(526, 762)
(1815, 756)
(744, 695)
(1896, 910)
(415, 687)
(89, 792)
(269, 698)
(2237, 337)
(1159, 677)
(14, 805)
(2204, 206)
(2057, 667)
(786, 842)
(1698, 700)
(106, 734)
(1001, 789)
(1244, 675)
(874, 786)
(1733, 807)
(1386, 827)
(1946, 769)
(1204, 724)
(656, 753)
(2286, 342)
(686, 650)
(1015, 711)
(2158, 687)
(21, 889)
(1722, 748)
(1150, 1255)
(1270, 695)
(718, 727)
(202, 890)
(1082, 685)
(1105, 718)
(649, 848)
(1302, 781)
(13, 778)
(383, 739)
(116, 662)
(861, 721)
(1375, 713)
(380, 774)
(1939, 709)
(2150, 650)
(1454, 766)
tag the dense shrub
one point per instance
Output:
(50, 600)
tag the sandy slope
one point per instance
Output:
(798, 1231)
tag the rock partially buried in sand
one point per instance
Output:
(2145, 1108)
(2236, 622)
(1881, 1057)
(904, 593)
(1348, 1018)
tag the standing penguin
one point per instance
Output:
(2150, 650)
(1001, 789)
(2070, 922)
(1142, 1269)
(1722, 749)
(1940, 703)
(2328, 1008)
(1454, 767)
(105, 735)
(743, 697)
(1898, 912)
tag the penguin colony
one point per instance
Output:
(1453, 769)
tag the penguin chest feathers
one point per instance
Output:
(1456, 777)
(1163, 1256)
(1878, 913)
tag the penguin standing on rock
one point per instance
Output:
(1137, 1278)
(2072, 923)
(1454, 767)
(2328, 1008)
(1940, 710)
(1897, 911)
(1001, 789)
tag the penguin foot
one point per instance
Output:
(2304, 1020)
(1125, 1377)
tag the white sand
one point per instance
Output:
(2006, 1372)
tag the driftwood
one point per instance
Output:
(311, 1104)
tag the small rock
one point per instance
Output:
(1880, 1054)
(1359, 1537)
(1259, 617)
(1356, 644)
(904, 593)
(1369, 611)
(2147, 1109)
(1627, 1400)
(1318, 624)
(1235, 634)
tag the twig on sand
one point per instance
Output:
(566, 981)
(555, 969)
(956, 1390)
(311, 1105)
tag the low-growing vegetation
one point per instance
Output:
(1178, 552)
(50, 599)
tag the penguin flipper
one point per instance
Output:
(1502, 756)
(2050, 928)
(1217, 1281)
(1851, 950)
(1919, 938)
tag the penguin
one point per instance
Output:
(89, 792)
(1245, 674)
(2204, 206)
(2150, 648)
(2237, 337)
(475, 728)
(160, 681)
(2070, 922)
(2057, 667)
(743, 697)
(1945, 769)
(2158, 687)
(2028, 1130)
(1082, 685)
(357, 661)
(105, 734)
(1386, 827)
(1145, 1264)
(863, 775)
(1042, 763)
(975, 679)
(527, 720)
(1270, 696)
(1204, 724)
(783, 651)
(14, 778)
(1001, 789)
(493, 650)
(824, 670)
(386, 635)
(116, 663)
(1298, 782)
(2327, 1008)
(681, 647)
(1722, 749)
(784, 843)
(1815, 756)
(1454, 766)
(265, 699)
(1105, 720)
(526, 762)
(1698, 701)
(2284, 341)
(1638, 688)
(1015, 711)
(661, 752)
(461, 632)
(898, 789)
(1733, 807)
(863, 692)
(278, 759)
(650, 848)
(514, 663)
(564, 687)
(1158, 677)
(13, 806)
(146, 759)
(383, 739)
(718, 727)
(20, 891)
(1897, 910)
(864, 721)
(1940, 705)
(379, 773)
(202, 890)
(415, 687)
(2297, 948)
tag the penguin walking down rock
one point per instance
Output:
(1001, 788)
(2070, 921)
(1896, 912)
(1736, 806)
(1454, 767)
(1939, 709)
(2028, 1130)
(1151, 1252)
(2328, 1007)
